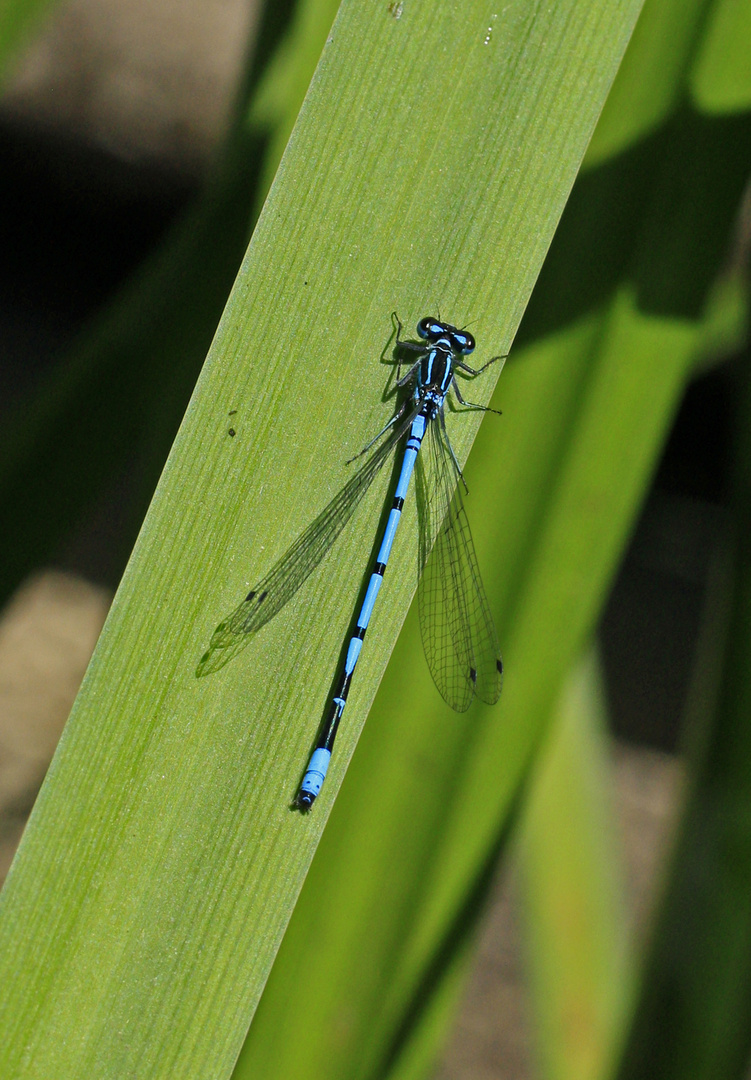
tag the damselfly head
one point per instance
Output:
(433, 330)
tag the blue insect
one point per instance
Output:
(459, 637)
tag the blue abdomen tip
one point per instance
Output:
(315, 775)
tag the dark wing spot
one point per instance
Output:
(473, 675)
(249, 596)
(262, 597)
(499, 665)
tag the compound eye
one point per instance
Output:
(465, 341)
(423, 327)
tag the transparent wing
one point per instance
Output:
(458, 633)
(268, 597)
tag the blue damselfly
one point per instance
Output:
(458, 633)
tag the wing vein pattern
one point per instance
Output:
(458, 632)
(269, 596)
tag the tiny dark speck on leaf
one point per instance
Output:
(232, 432)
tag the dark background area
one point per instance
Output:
(75, 222)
